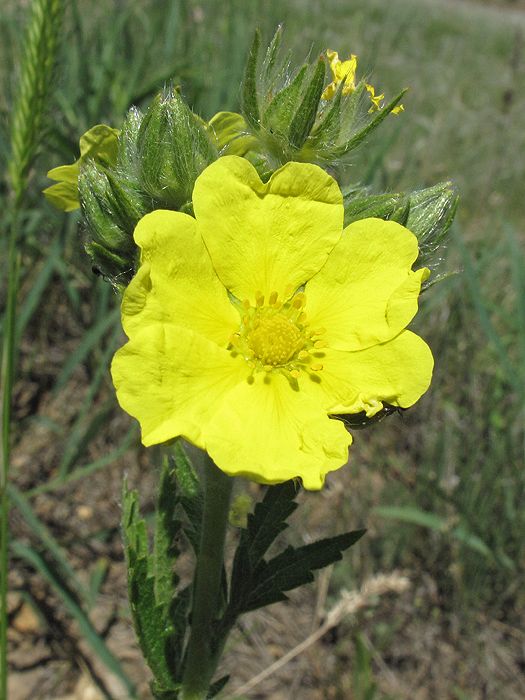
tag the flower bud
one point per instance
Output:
(298, 117)
(173, 148)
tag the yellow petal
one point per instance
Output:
(63, 195)
(176, 282)
(397, 372)
(270, 433)
(366, 293)
(267, 236)
(173, 381)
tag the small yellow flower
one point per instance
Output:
(341, 71)
(376, 99)
(100, 141)
(254, 322)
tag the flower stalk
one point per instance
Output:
(203, 653)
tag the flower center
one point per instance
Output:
(275, 339)
(276, 336)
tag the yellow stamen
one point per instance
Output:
(316, 367)
(288, 290)
(273, 298)
(320, 344)
(320, 331)
(303, 355)
(259, 298)
(246, 304)
(295, 373)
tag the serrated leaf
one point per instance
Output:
(268, 518)
(165, 550)
(293, 568)
(191, 494)
(263, 526)
(149, 618)
(306, 113)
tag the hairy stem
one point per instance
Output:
(203, 652)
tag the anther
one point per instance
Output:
(246, 320)
(299, 300)
(320, 344)
(246, 304)
(251, 364)
(268, 368)
(234, 339)
(273, 298)
(302, 317)
(320, 331)
(259, 298)
(303, 355)
(316, 367)
(288, 290)
(277, 306)
(295, 373)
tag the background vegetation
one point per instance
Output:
(441, 488)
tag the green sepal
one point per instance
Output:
(360, 205)
(305, 115)
(96, 207)
(432, 212)
(127, 153)
(173, 149)
(269, 63)
(362, 135)
(329, 127)
(280, 111)
(126, 206)
(249, 100)
(109, 264)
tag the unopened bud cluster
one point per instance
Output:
(319, 114)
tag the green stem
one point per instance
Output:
(203, 654)
(6, 377)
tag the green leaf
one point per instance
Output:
(191, 495)
(293, 568)
(167, 527)
(160, 620)
(250, 104)
(433, 521)
(306, 113)
(255, 582)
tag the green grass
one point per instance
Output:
(454, 467)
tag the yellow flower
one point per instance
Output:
(341, 71)
(376, 99)
(252, 323)
(100, 142)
